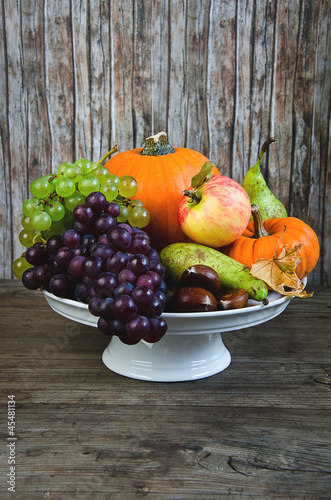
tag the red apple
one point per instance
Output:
(219, 217)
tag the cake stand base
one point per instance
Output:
(174, 358)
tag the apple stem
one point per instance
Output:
(192, 195)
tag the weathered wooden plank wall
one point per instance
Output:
(220, 77)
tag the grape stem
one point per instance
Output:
(99, 162)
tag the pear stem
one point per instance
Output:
(259, 229)
(264, 148)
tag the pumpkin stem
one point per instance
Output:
(259, 229)
(157, 145)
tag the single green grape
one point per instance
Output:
(129, 186)
(39, 188)
(109, 190)
(136, 203)
(72, 201)
(40, 220)
(19, 266)
(115, 180)
(55, 210)
(88, 184)
(102, 174)
(124, 214)
(139, 217)
(30, 206)
(84, 164)
(51, 185)
(73, 172)
(65, 187)
(26, 223)
(55, 228)
(61, 169)
(26, 237)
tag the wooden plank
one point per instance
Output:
(122, 76)
(196, 76)
(17, 124)
(221, 83)
(6, 243)
(141, 72)
(100, 75)
(81, 45)
(59, 76)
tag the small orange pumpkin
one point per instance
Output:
(162, 173)
(260, 239)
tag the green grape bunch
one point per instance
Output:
(49, 211)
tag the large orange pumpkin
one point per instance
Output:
(260, 239)
(162, 173)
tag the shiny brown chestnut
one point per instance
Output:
(231, 299)
(201, 276)
(192, 299)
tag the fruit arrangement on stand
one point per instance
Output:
(159, 229)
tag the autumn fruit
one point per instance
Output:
(162, 173)
(179, 256)
(231, 299)
(216, 212)
(261, 238)
(190, 299)
(202, 276)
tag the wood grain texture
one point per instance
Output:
(260, 429)
(219, 77)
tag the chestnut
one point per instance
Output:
(202, 276)
(192, 299)
(231, 299)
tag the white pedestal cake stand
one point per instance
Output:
(191, 349)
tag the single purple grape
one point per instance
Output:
(93, 266)
(125, 226)
(152, 255)
(104, 326)
(124, 308)
(113, 209)
(76, 266)
(138, 327)
(42, 275)
(117, 327)
(162, 298)
(60, 285)
(142, 295)
(157, 267)
(103, 223)
(154, 308)
(62, 258)
(145, 280)
(138, 264)
(96, 201)
(82, 293)
(36, 255)
(70, 238)
(105, 284)
(94, 306)
(88, 281)
(106, 308)
(28, 279)
(87, 240)
(103, 251)
(156, 279)
(163, 287)
(126, 276)
(158, 329)
(116, 262)
(53, 244)
(81, 250)
(83, 214)
(119, 238)
(139, 244)
(123, 289)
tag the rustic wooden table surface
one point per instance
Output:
(260, 430)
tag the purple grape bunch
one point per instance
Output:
(108, 265)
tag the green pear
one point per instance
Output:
(258, 191)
